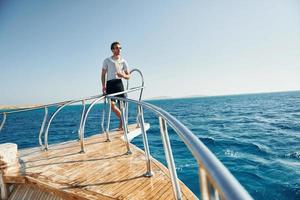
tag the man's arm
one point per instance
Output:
(103, 80)
(125, 73)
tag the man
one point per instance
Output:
(114, 69)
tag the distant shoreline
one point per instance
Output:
(11, 107)
(170, 97)
(219, 95)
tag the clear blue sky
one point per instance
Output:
(53, 50)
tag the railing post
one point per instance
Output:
(83, 124)
(103, 115)
(123, 113)
(169, 158)
(126, 112)
(109, 114)
(103, 120)
(217, 196)
(203, 182)
(82, 129)
(145, 141)
(3, 121)
(47, 129)
(50, 121)
(43, 126)
(137, 118)
(82, 142)
(81, 120)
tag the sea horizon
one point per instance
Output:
(21, 106)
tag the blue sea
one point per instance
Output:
(256, 136)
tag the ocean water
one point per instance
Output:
(257, 137)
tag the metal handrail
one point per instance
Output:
(43, 126)
(211, 170)
(92, 105)
(47, 105)
(142, 78)
(51, 119)
(63, 104)
(216, 173)
(81, 119)
(169, 157)
(141, 92)
(82, 123)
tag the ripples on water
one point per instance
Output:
(256, 136)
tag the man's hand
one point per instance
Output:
(123, 74)
(120, 74)
(104, 90)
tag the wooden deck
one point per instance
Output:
(103, 172)
(27, 191)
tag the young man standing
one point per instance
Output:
(114, 69)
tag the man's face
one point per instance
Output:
(117, 50)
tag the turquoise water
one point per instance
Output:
(257, 137)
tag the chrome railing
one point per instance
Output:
(216, 181)
(45, 107)
(60, 106)
(84, 113)
(109, 114)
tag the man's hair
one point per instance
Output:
(112, 46)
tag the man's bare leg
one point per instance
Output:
(117, 111)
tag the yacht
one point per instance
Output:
(107, 165)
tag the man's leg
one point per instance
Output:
(117, 111)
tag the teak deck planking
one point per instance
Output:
(104, 171)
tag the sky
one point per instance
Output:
(53, 50)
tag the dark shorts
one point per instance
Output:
(114, 86)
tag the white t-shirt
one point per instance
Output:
(113, 66)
